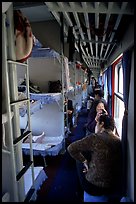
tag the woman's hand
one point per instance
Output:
(104, 111)
(97, 116)
(100, 112)
(85, 163)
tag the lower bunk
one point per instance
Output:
(39, 177)
(44, 145)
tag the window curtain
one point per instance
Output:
(100, 80)
(105, 85)
(126, 64)
(109, 89)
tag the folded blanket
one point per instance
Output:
(36, 139)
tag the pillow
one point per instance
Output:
(35, 139)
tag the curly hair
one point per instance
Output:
(109, 122)
(99, 92)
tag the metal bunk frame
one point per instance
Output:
(11, 97)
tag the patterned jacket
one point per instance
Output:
(106, 159)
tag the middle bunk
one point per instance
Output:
(51, 82)
(47, 117)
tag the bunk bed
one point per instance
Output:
(47, 115)
(42, 142)
(39, 173)
(39, 177)
(46, 98)
(44, 146)
(75, 91)
(14, 175)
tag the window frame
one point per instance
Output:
(118, 97)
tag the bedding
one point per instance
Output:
(46, 98)
(48, 119)
(37, 138)
(34, 106)
(43, 120)
(46, 146)
(46, 53)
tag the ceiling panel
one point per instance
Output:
(97, 26)
(35, 11)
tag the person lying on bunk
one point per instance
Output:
(97, 109)
(101, 174)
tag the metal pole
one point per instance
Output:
(62, 72)
(13, 97)
(75, 78)
(29, 123)
(14, 189)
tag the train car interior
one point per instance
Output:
(55, 55)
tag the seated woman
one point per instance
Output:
(97, 109)
(102, 172)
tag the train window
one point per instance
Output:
(118, 99)
(105, 87)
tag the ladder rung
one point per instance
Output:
(23, 136)
(23, 171)
(29, 195)
(5, 151)
(19, 63)
(19, 101)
